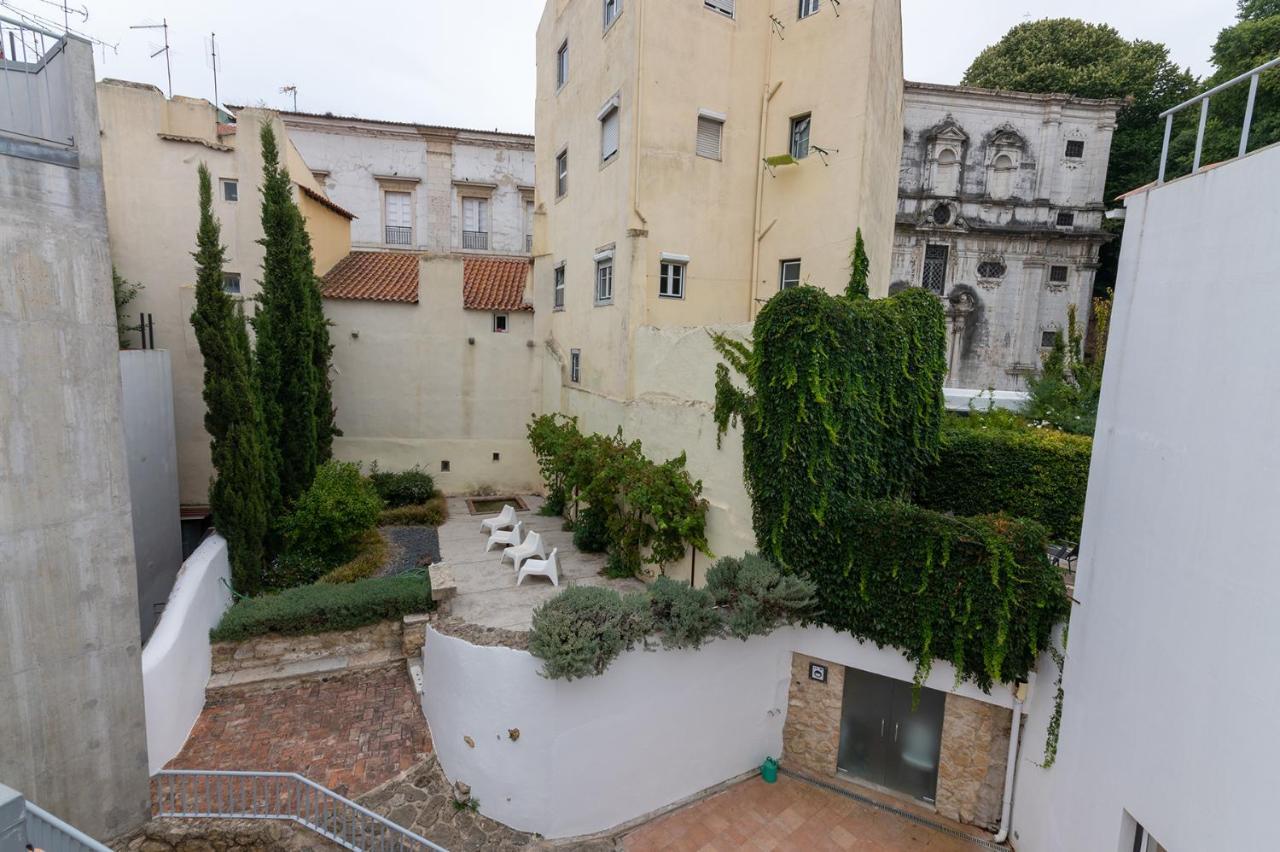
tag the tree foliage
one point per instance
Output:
(330, 517)
(859, 269)
(125, 292)
(1066, 392)
(232, 416)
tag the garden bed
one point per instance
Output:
(493, 505)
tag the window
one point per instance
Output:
(710, 134)
(724, 7)
(1057, 275)
(609, 130)
(558, 299)
(575, 365)
(230, 190)
(1002, 172)
(612, 8)
(562, 65)
(231, 283)
(935, 269)
(562, 173)
(497, 456)
(500, 323)
(942, 214)
(1075, 149)
(444, 467)
(1143, 841)
(398, 213)
(671, 277)
(528, 226)
(800, 136)
(807, 8)
(946, 173)
(991, 269)
(788, 274)
(604, 280)
(475, 223)
(1048, 339)
(1066, 220)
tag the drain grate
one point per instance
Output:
(881, 806)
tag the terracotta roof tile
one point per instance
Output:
(495, 283)
(377, 276)
(322, 200)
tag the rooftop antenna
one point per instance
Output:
(168, 68)
(67, 12)
(291, 90)
(214, 64)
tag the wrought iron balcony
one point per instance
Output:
(475, 239)
(399, 236)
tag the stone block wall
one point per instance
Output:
(811, 734)
(975, 752)
(274, 650)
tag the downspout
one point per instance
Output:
(756, 236)
(1006, 808)
(635, 135)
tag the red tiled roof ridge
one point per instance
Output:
(494, 283)
(377, 276)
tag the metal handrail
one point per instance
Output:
(200, 794)
(46, 831)
(27, 25)
(1203, 100)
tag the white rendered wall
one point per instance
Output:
(653, 729)
(1171, 694)
(176, 661)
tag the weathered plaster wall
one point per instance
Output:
(72, 735)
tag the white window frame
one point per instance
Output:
(604, 276)
(783, 278)
(575, 365)
(482, 219)
(616, 6)
(234, 185)
(718, 119)
(501, 323)
(528, 224)
(792, 147)
(562, 173)
(673, 275)
(562, 64)
(610, 112)
(227, 277)
(807, 9)
(724, 7)
(557, 287)
(386, 220)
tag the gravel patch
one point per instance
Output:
(410, 548)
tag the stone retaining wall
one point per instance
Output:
(220, 835)
(274, 650)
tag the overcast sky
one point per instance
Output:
(471, 63)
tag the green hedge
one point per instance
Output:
(323, 607)
(978, 591)
(1026, 472)
(432, 513)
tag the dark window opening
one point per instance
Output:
(1075, 148)
(935, 269)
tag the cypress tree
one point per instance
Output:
(859, 269)
(237, 494)
(322, 349)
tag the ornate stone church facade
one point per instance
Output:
(1000, 211)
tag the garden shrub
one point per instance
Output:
(330, 516)
(294, 569)
(1002, 464)
(432, 513)
(757, 596)
(407, 488)
(324, 607)
(580, 631)
(1067, 390)
(591, 530)
(370, 558)
(686, 617)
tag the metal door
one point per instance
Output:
(865, 719)
(917, 742)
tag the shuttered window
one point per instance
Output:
(724, 7)
(398, 213)
(609, 133)
(710, 133)
(562, 173)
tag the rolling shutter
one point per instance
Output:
(709, 133)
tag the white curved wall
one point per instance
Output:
(655, 728)
(176, 660)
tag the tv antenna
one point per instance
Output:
(291, 90)
(215, 64)
(168, 66)
(67, 12)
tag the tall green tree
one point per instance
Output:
(238, 493)
(859, 269)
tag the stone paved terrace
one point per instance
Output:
(487, 592)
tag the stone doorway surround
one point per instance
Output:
(975, 743)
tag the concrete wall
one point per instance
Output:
(71, 718)
(429, 382)
(655, 728)
(147, 408)
(1170, 693)
(176, 662)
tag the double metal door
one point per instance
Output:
(884, 740)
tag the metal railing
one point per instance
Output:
(197, 794)
(45, 831)
(1203, 100)
(475, 239)
(398, 235)
(35, 100)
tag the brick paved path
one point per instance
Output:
(350, 733)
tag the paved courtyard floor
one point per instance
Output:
(487, 592)
(350, 733)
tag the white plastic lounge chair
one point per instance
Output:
(504, 520)
(531, 546)
(507, 537)
(549, 567)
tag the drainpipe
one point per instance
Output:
(765, 97)
(1006, 809)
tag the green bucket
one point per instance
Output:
(769, 770)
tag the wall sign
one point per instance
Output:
(818, 672)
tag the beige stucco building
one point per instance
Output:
(692, 159)
(151, 149)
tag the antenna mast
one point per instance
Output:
(168, 68)
(213, 63)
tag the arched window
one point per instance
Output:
(946, 176)
(1001, 179)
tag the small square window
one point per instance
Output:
(1075, 148)
(788, 274)
(558, 300)
(612, 8)
(562, 173)
(1058, 274)
(230, 190)
(604, 281)
(444, 467)
(575, 365)
(807, 8)
(231, 283)
(497, 456)
(562, 65)
(1066, 220)
(800, 136)
(1048, 339)
(500, 323)
(671, 279)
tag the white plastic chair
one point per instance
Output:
(531, 546)
(549, 567)
(504, 520)
(506, 537)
